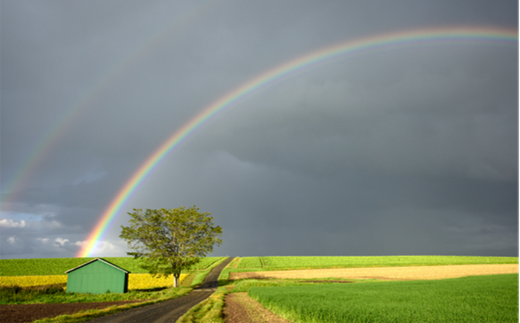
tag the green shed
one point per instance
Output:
(97, 277)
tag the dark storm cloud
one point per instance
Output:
(456, 122)
(406, 150)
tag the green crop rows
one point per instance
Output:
(280, 263)
(469, 299)
(249, 262)
(58, 266)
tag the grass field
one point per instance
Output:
(58, 266)
(469, 299)
(285, 263)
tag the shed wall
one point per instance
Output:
(97, 278)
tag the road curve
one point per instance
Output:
(168, 311)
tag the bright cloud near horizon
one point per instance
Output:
(409, 149)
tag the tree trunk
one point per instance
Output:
(176, 281)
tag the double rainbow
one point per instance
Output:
(455, 35)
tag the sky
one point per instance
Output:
(410, 149)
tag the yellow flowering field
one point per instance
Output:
(142, 281)
(135, 281)
(24, 281)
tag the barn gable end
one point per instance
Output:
(97, 276)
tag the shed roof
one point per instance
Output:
(100, 259)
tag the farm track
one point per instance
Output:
(167, 311)
(384, 273)
(241, 308)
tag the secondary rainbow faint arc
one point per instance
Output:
(458, 34)
(61, 125)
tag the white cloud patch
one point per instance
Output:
(80, 243)
(8, 223)
(105, 248)
(12, 240)
(61, 241)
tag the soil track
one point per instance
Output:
(241, 308)
(385, 273)
(167, 311)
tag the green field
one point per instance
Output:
(469, 299)
(282, 263)
(58, 266)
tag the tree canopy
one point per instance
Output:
(169, 241)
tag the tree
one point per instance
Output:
(169, 241)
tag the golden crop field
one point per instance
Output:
(385, 273)
(142, 281)
(135, 281)
(25, 281)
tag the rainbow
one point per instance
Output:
(454, 35)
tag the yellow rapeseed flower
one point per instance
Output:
(144, 281)
(135, 281)
(24, 281)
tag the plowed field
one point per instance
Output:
(384, 273)
(31, 312)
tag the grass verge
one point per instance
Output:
(56, 294)
(209, 310)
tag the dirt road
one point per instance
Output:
(168, 311)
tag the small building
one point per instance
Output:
(97, 277)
